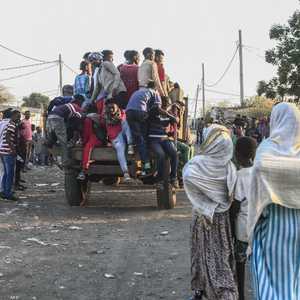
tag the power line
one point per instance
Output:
(226, 69)
(22, 55)
(26, 66)
(70, 69)
(27, 74)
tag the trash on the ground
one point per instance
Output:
(84, 218)
(7, 260)
(36, 241)
(23, 204)
(137, 274)
(41, 184)
(75, 228)
(4, 247)
(27, 228)
(55, 184)
(164, 232)
(96, 252)
(62, 287)
(1, 275)
(109, 276)
(36, 217)
(54, 231)
(80, 266)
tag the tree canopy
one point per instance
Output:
(36, 100)
(286, 57)
(5, 95)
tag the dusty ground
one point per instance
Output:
(50, 251)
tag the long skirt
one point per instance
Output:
(212, 258)
(275, 259)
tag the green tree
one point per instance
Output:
(286, 57)
(5, 95)
(36, 100)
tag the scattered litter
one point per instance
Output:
(84, 218)
(5, 247)
(9, 212)
(164, 232)
(55, 184)
(137, 274)
(62, 287)
(173, 293)
(54, 231)
(80, 266)
(75, 228)
(36, 241)
(41, 184)
(131, 284)
(7, 260)
(36, 217)
(109, 276)
(1, 275)
(96, 252)
(27, 228)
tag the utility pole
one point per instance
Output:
(241, 69)
(60, 74)
(203, 92)
(196, 106)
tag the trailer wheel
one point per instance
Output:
(72, 188)
(166, 194)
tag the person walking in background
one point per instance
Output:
(200, 127)
(274, 208)
(244, 153)
(209, 180)
(26, 134)
(8, 147)
(38, 141)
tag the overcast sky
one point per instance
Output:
(188, 31)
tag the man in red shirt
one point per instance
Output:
(129, 74)
(26, 135)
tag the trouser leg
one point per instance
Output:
(170, 150)
(120, 145)
(160, 157)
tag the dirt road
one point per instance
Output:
(121, 247)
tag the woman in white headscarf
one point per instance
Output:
(274, 209)
(209, 180)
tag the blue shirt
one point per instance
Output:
(82, 85)
(141, 98)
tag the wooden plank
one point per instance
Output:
(105, 170)
(98, 154)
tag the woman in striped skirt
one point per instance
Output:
(274, 209)
(209, 180)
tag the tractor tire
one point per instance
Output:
(72, 188)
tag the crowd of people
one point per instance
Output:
(21, 144)
(130, 107)
(245, 206)
(258, 129)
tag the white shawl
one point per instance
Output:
(209, 178)
(275, 177)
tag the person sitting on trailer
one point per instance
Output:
(129, 73)
(119, 134)
(160, 143)
(93, 135)
(67, 97)
(57, 125)
(109, 83)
